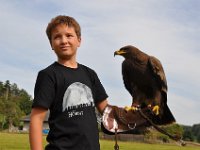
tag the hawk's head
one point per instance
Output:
(128, 51)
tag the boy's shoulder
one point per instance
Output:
(49, 69)
(90, 70)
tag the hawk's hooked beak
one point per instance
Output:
(119, 52)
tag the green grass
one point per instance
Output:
(108, 145)
(21, 142)
(11, 141)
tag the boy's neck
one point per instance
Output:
(68, 63)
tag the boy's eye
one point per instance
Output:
(56, 37)
(69, 35)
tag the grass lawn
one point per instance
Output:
(21, 142)
(11, 141)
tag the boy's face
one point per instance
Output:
(64, 42)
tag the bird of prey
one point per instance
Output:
(145, 80)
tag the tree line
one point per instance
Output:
(14, 104)
(192, 133)
(188, 133)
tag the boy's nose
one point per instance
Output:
(64, 39)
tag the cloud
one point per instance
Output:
(185, 111)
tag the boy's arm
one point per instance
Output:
(35, 131)
(102, 105)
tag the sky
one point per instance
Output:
(166, 29)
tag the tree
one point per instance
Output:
(2, 113)
(187, 134)
(173, 129)
(25, 102)
(196, 131)
(14, 103)
(7, 89)
(13, 114)
(198, 138)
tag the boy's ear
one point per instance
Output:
(79, 39)
(51, 46)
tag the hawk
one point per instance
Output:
(145, 80)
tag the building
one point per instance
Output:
(26, 121)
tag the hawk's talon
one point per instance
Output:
(156, 109)
(130, 108)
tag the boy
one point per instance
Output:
(70, 91)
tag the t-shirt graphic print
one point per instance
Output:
(77, 95)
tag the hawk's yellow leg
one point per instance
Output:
(130, 108)
(156, 109)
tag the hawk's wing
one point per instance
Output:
(126, 73)
(158, 72)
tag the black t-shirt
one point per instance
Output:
(70, 95)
